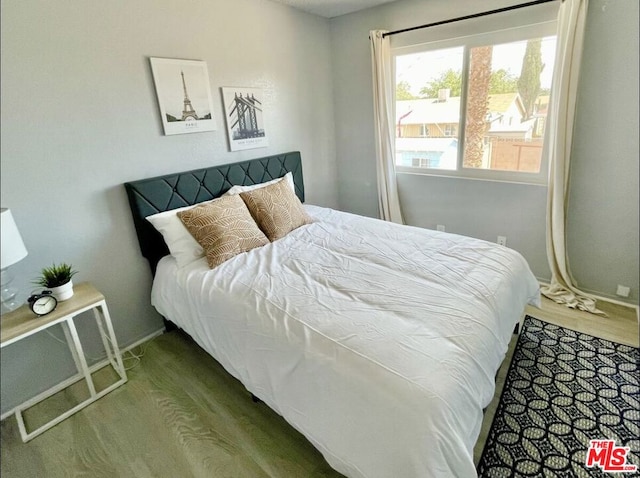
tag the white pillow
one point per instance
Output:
(243, 189)
(182, 245)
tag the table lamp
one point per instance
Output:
(13, 251)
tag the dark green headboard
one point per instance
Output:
(163, 193)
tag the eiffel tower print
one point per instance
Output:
(187, 111)
(191, 112)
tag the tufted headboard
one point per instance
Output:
(171, 191)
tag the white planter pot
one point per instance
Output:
(63, 292)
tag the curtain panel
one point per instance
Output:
(383, 108)
(571, 25)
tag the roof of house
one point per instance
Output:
(500, 103)
(430, 110)
(519, 127)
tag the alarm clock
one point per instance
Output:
(42, 303)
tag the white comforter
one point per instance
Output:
(378, 342)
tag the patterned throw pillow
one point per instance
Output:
(276, 209)
(224, 228)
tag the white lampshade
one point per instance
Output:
(13, 249)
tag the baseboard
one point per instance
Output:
(93, 367)
(144, 339)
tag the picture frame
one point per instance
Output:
(184, 95)
(244, 117)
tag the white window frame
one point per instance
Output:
(507, 35)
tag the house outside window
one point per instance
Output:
(450, 130)
(489, 92)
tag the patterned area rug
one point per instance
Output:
(564, 389)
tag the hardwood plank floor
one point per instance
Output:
(182, 415)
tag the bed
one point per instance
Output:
(378, 342)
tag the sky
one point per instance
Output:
(420, 68)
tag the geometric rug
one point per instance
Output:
(563, 390)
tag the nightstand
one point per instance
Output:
(22, 323)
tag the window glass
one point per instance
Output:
(507, 97)
(476, 108)
(428, 88)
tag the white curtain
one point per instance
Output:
(383, 86)
(571, 25)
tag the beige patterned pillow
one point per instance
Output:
(224, 228)
(276, 209)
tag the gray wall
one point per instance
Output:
(80, 117)
(603, 211)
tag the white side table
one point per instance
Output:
(21, 323)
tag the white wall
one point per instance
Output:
(603, 212)
(80, 117)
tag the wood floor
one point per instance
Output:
(181, 415)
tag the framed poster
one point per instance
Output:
(184, 95)
(244, 115)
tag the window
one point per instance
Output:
(420, 162)
(489, 92)
(450, 130)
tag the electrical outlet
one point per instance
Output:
(440, 228)
(623, 291)
(502, 240)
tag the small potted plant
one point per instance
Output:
(57, 279)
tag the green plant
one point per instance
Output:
(56, 275)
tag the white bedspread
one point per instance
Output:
(378, 342)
